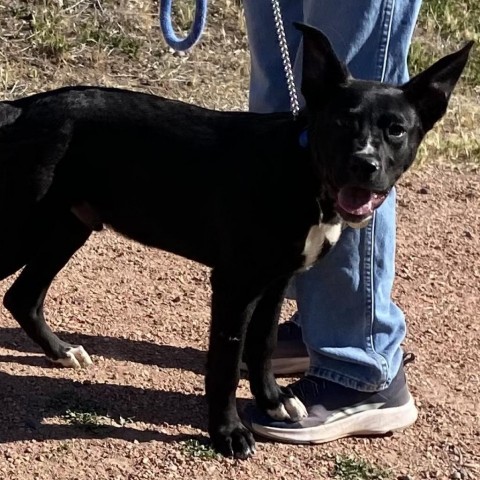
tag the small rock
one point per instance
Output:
(423, 190)
(456, 476)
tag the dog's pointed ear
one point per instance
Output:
(430, 90)
(322, 70)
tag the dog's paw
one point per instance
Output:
(75, 357)
(236, 441)
(289, 409)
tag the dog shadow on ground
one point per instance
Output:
(41, 408)
(139, 351)
(29, 402)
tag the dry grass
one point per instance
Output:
(445, 25)
(46, 44)
(50, 43)
(457, 138)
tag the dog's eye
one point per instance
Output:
(396, 130)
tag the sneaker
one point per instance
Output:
(291, 356)
(335, 412)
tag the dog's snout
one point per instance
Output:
(365, 165)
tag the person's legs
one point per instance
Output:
(268, 87)
(371, 36)
(353, 339)
(352, 328)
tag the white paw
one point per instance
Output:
(291, 409)
(77, 357)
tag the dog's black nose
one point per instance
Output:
(365, 165)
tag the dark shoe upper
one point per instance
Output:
(328, 401)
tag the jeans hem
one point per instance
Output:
(346, 380)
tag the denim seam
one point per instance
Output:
(389, 11)
(370, 296)
(370, 233)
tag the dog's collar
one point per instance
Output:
(303, 139)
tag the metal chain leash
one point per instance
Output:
(287, 64)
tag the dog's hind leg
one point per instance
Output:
(26, 296)
(260, 342)
(17, 243)
(12, 260)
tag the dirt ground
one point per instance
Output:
(139, 411)
(143, 315)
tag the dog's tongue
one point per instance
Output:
(357, 201)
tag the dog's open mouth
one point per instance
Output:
(356, 205)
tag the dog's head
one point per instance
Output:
(363, 135)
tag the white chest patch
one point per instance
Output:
(316, 238)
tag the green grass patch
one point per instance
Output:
(196, 448)
(85, 418)
(350, 468)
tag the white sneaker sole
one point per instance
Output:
(286, 366)
(370, 422)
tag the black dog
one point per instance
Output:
(234, 191)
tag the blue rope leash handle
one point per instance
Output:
(198, 26)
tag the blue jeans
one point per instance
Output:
(352, 328)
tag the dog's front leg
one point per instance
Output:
(261, 340)
(233, 300)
